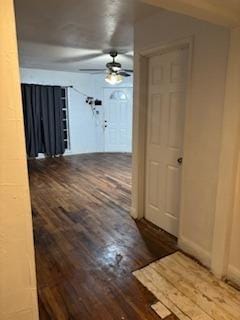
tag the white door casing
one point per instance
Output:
(165, 130)
(118, 120)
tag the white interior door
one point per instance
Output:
(118, 119)
(165, 126)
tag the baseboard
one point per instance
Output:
(233, 274)
(195, 251)
(133, 213)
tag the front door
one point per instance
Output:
(118, 119)
(165, 127)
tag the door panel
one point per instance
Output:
(156, 117)
(154, 169)
(172, 192)
(176, 119)
(165, 127)
(118, 117)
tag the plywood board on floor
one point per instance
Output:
(188, 290)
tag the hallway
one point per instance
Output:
(86, 243)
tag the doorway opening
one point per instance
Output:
(86, 244)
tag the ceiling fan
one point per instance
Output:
(115, 72)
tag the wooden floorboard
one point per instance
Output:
(86, 243)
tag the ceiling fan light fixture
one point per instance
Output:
(113, 78)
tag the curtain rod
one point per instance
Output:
(72, 87)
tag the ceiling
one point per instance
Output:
(71, 34)
(222, 12)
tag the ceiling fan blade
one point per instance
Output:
(128, 55)
(124, 73)
(92, 70)
(79, 58)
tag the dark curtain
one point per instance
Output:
(43, 119)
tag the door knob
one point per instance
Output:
(180, 160)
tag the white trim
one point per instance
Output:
(195, 250)
(133, 213)
(139, 124)
(167, 46)
(233, 274)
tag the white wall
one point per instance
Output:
(86, 130)
(204, 120)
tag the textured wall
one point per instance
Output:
(18, 298)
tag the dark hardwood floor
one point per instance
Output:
(86, 243)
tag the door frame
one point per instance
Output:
(140, 120)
